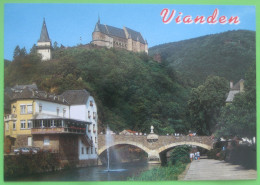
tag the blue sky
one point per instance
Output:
(67, 23)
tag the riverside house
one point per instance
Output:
(64, 124)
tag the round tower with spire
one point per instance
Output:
(44, 43)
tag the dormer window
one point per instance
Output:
(64, 112)
(40, 108)
(58, 111)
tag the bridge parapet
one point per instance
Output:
(163, 143)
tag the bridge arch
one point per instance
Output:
(139, 145)
(166, 147)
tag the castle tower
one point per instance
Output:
(44, 43)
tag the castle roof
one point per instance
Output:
(76, 97)
(135, 35)
(237, 85)
(44, 33)
(117, 32)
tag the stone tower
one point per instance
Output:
(44, 43)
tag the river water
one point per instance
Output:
(98, 173)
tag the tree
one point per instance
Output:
(33, 50)
(239, 118)
(205, 103)
(17, 52)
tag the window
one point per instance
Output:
(82, 150)
(95, 150)
(29, 109)
(87, 149)
(94, 115)
(95, 139)
(29, 141)
(23, 124)
(58, 111)
(64, 112)
(91, 150)
(14, 125)
(23, 109)
(94, 129)
(89, 114)
(6, 126)
(53, 124)
(46, 140)
(29, 124)
(91, 103)
(14, 109)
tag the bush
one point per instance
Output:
(180, 154)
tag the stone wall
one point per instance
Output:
(22, 140)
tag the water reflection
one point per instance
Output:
(98, 173)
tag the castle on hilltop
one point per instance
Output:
(112, 37)
(103, 35)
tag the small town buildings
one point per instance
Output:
(44, 43)
(64, 124)
(112, 37)
(235, 89)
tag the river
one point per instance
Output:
(98, 173)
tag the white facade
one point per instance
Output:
(49, 109)
(44, 48)
(87, 112)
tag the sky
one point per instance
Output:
(73, 24)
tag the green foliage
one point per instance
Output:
(239, 117)
(205, 103)
(225, 54)
(180, 154)
(132, 91)
(161, 173)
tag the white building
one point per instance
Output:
(83, 108)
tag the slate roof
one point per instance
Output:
(135, 35)
(44, 33)
(28, 93)
(76, 97)
(117, 32)
(237, 85)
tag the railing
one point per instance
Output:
(56, 130)
(10, 117)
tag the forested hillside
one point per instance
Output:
(185, 91)
(132, 91)
(228, 54)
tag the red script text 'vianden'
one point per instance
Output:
(168, 16)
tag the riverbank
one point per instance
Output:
(162, 173)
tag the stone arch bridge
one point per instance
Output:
(154, 147)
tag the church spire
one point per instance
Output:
(44, 33)
(98, 19)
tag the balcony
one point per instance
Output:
(10, 117)
(59, 130)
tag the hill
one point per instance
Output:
(228, 54)
(131, 90)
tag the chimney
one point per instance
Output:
(231, 84)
